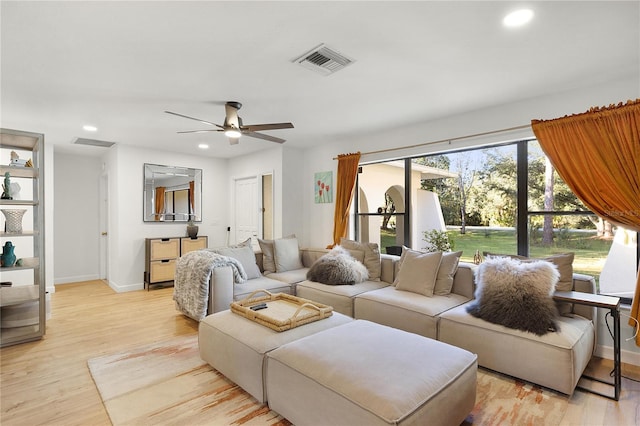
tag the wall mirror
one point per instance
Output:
(172, 194)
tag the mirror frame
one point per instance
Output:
(177, 179)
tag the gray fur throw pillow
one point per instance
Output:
(337, 267)
(516, 294)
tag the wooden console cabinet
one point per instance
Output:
(161, 255)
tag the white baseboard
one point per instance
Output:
(627, 357)
(75, 279)
(124, 288)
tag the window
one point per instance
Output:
(504, 198)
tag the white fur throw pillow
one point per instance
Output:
(516, 294)
(337, 267)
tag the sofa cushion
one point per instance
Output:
(446, 273)
(405, 310)
(418, 272)
(371, 256)
(516, 294)
(554, 360)
(286, 254)
(244, 254)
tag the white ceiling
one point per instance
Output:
(119, 65)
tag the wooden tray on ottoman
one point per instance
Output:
(283, 311)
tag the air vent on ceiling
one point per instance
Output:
(324, 60)
(93, 142)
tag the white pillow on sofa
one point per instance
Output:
(286, 254)
(243, 253)
(267, 248)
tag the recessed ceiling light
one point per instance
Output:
(203, 146)
(90, 128)
(518, 18)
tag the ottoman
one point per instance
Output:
(363, 373)
(236, 346)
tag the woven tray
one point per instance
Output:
(283, 311)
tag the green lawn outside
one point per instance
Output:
(590, 252)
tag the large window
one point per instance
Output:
(504, 199)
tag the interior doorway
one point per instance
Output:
(104, 226)
(253, 208)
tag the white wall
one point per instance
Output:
(127, 231)
(75, 220)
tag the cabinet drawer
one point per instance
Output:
(165, 249)
(189, 244)
(162, 271)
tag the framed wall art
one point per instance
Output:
(323, 187)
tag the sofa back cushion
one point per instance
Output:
(371, 256)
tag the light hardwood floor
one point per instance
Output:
(48, 383)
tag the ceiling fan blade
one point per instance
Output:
(200, 131)
(193, 118)
(271, 126)
(263, 136)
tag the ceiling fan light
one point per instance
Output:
(232, 133)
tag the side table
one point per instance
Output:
(606, 302)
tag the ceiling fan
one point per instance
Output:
(233, 127)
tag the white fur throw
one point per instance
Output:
(337, 267)
(516, 294)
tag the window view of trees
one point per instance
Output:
(479, 203)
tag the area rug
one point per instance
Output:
(167, 383)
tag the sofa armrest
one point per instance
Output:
(585, 284)
(220, 289)
(388, 267)
(464, 282)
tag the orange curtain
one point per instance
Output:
(597, 154)
(346, 182)
(159, 202)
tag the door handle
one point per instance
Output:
(103, 233)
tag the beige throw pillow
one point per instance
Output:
(446, 272)
(371, 256)
(245, 255)
(268, 262)
(286, 254)
(418, 272)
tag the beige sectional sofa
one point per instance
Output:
(555, 360)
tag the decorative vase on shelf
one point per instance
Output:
(13, 222)
(8, 257)
(192, 230)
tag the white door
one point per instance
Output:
(247, 210)
(104, 226)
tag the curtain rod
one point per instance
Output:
(492, 132)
